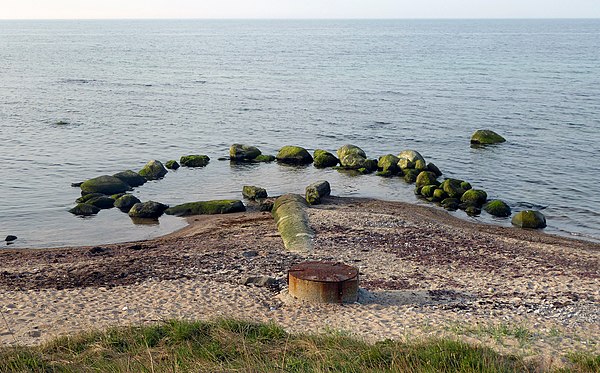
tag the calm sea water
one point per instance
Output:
(131, 91)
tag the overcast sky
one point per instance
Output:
(83, 9)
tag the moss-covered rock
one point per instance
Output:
(131, 178)
(350, 149)
(427, 190)
(466, 185)
(406, 164)
(352, 157)
(411, 155)
(410, 175)
(126, 202)
(473, 210)
(153, 170)
(104, 184)
(147, 210)
(172, 164)
(87, 197)
(323, 158)
(450, 204)
(529, 219)
(439, 195)
(485, 137)
(498, 208)
(388, 164)
(292, 222)
(194, 160)
(433, 168)
(207, 208)
(253, 192)
(83, 209)
(263, 158)
(243, 153)
(474, 197)
(453, 188)
(426, 178)
(316, 191)
(294, 155)
(420, 165)
(102, 202)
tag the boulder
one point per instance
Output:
(126, 202)
(87, 197)
(420, 165)
(83, 209)
(529, 219)
(266, 204)
(172, 164)
(426, 178)
(433, 168)
(243, 153)
(147, 210)
(473, 210)
(350, 149)
(253, 192)
(207, 208)
(194, 160)
(498, 208)
(153, 170)
(354, 158)
(264, 158)
(465, 185)
(131, 178)
(10, 238)
(323, 158)
(411, 155)
(260, 281)
(427, 190)
(388, 164)
(474, 197)
(102, 202)
(453, 188)
(485, 137)
(405, 164)
(294, 155)
(316, 191)
(410, 175)
(104, 184)
(439, 195)
(450, 204)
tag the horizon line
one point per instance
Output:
(298, 19)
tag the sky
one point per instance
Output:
(101, 9)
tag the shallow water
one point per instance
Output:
(83, 98)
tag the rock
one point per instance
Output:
(439, 195)
(260, 281)
(426, 178)
(474, 197)
(87, 197)
(354, 158)
(485, 137)
(10, 238)
(433, 168)
(465, 185)
(264, 158)
(147, 210)
(104, 184)
(126, 202)
(473, 210)
(350, 149)
(172, 164)
(316, 191)
(207, 208)
(102, 202)
(427, 190)
(83, 209)
(243, 153)
(498, 208)
(529, 219)
(250, 254)
(194, 160)
(292, 222)
(153, 170)
(323, 158)
(410, 175)
(266, 204)
(294, 155)
(253, 192)
(131, 178)
(405, 164)
(450, 204)
(420, 165)
(453, 188)
(388, 164)
(76, 185)
(411, 155)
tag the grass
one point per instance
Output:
(237, 346)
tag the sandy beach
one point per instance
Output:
(423, 273)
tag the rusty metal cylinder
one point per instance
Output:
(324, 282)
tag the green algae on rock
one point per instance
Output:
(87, 197)
(83, 209)
(126, 202)
(253, 192)
(243, 153)
(316, 191)
(453, 188)
(411, 155)
(498, 208)
(529, 219)
(410, 175)
(153, 170)
(426, 178)
(323, 159)
(207, 208)
(172, 164)
(104, 184)
(263, 158)
(485, 137)
(147, 210)
(388, 164)
(439, 195)
(450, 204)
(427, 190)
(102, 202)
(194, 160)
(294, 155)
(131, 178)
(474, 197)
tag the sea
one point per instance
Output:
(80, 99)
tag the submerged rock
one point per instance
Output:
(194, 160)
(316, 191)
(87, 197)
(264, 158)
(253, 192)
(323, 158)
(83, 209)
(126, 202)
(102, 202)
(147, 210)
(172, 164)
(498, 208)
(529, 219)
(131, 178)
(207, 208)
(153, 170)
(485, 137)
(242, 153)
(294, 155)
(105, 185)
(450, 204)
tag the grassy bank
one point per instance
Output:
(235, 346)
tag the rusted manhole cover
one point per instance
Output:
(324, 282)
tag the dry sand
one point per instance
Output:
(423, 273)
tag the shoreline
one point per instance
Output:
(423, 273)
